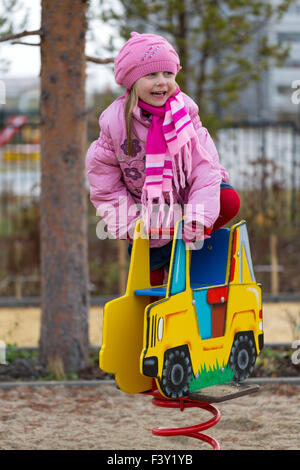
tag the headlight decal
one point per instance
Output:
(160, 328)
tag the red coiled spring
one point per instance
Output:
(190, 431)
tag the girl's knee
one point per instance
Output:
(230, 202)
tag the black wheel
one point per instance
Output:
(243, 355)
(177, 372)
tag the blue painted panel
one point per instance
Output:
(203, 313)
(208, 265)
(152, 291)
(178, 278)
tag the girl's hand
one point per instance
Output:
(194, 234)
(192, 231)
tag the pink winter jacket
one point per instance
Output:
(116, 179)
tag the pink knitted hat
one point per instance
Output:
(143, 54)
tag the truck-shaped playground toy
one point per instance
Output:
(202, 328)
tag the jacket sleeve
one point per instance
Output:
(108, 192)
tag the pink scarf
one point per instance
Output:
(168, 149)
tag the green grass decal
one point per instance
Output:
(212, 376)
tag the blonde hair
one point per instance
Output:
(130, 102)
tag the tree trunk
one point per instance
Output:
(65, 303)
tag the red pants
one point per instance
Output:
(229, 207)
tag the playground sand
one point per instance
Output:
(22, 325)
(102, 417)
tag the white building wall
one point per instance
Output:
(280, 79)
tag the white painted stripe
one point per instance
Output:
(154, 179)
(167, 122)
(176, 107)
(154, 165)
(182, 121)
(170, 135)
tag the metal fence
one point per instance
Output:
(258, 156)
(19, 170)
(264, 157)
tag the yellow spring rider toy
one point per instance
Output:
(196, 337)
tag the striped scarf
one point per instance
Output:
(168, 151)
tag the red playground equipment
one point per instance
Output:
(203, 401)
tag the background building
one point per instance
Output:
(280, 79)
(271, 98)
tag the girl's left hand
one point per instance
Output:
(194, 234)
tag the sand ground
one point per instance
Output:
(103, 417)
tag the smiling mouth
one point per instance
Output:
(158, 93)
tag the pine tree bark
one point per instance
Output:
(65, 302)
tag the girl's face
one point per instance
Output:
(156, 88)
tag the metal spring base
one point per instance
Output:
(190, 431)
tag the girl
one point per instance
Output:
(154, 151)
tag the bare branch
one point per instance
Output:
(21, 35)
(99, 61)
(27, 43)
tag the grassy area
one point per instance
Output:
(211, 376)
(13, 352)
